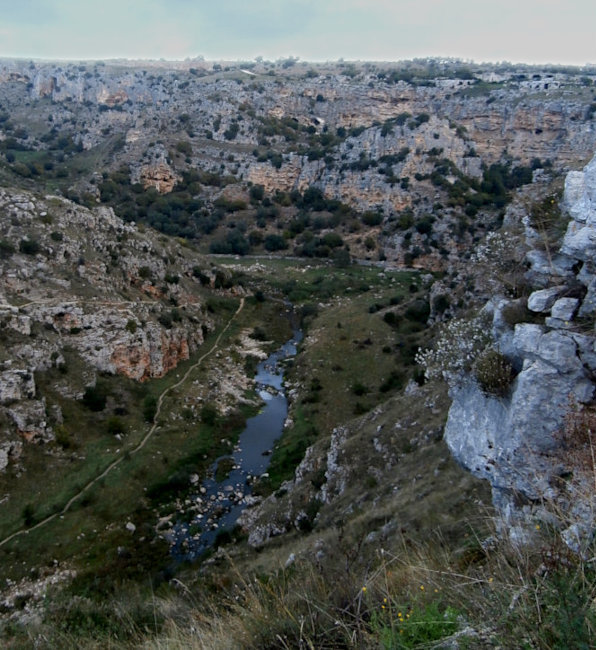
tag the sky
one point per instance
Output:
(529, 31)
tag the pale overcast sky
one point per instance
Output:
(534, 31)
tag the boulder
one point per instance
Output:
(544, 299)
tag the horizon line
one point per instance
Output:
(296, 59)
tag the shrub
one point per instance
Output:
(275, 243)
(440, 303)
(184, 147)
(425, 225)
(459, 343)
(95, 397)
(165, 319)
(405, 220)
(115, 425)
(395, 380)
(131, 326)
(62, 436)
(6, 249)
(209, 414)
(494, 373)
(29, 247)
(257, 193)
(232, 131)
(372, 218)
(145, 272)
(203, 278)
(418, 311)
(359, 388)
(29, 515)
(259, 334)
(149, 408)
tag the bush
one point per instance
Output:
(440, 303)
(359, 389)
(459, 341)
(395, 380)
(145, 272)
(232, 131)
(494, 373)
(115, 425)
(29, 515)
(209, 414)
(275, 243)
(405, 220)
(29, 247)
(165, 319)
(184, 147)
(149, 408)
(425, 225)
(6, 249)
(332, 240)
(95, 397)
(131, 326)
(258, 334)
(418, 311)
(372, 218)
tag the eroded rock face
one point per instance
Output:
(16, 385)
(117, 300)
(515, 442)
(160, 176)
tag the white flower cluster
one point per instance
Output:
(496, 250)
(459, 344)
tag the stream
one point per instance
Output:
(219, 503)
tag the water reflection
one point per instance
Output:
(218, 504)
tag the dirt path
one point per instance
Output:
(140, 445)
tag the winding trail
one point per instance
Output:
(140, 445)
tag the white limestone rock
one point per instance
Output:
(16, 385)
(9, 451)
(542, 300)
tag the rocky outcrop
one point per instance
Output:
(517, 440)
(16, 385)
(160, 176)
(20, 405)
(86, 284)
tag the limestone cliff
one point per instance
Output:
(526, 441)
(83, 281)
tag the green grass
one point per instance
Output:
(177, 445)
(347, 345)
(289, 451)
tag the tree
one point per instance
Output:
(275, 243)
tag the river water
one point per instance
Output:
(219, 504)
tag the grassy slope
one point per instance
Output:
(53, 475)
(402, 538)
